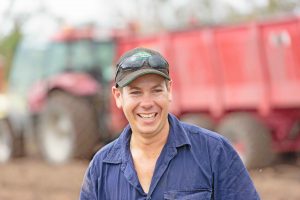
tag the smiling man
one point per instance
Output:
(157, 156)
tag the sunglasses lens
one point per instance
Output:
(157, 62)
(132, 62)
(137, 62)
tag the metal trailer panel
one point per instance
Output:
(246, 67)
(243, 80)
(281, 45)
(197, 75)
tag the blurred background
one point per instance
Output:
(235, 66)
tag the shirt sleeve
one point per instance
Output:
(89, 185)
(231, 179)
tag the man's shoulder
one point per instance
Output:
(201, 133)
(204, 140)
(104, 152)
(201, 138)
(195, 135)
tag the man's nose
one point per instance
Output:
(147, 101)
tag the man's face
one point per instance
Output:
(145, 103)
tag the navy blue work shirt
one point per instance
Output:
(195, 163)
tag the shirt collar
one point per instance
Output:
(120, 151)
(177, 135)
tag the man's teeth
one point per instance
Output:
(147, 115)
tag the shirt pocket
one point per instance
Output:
(199, 194)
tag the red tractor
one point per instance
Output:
(66, 111)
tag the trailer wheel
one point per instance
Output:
(250, 137)
(6, 142)
(201, 120)
(67, 128)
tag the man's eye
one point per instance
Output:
(135, 92)
(158, 90)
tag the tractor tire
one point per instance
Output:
(250, 137)
(67, 128)
(6, 142)
(201, 120)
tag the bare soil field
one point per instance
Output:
(280, 181)
(33, 179)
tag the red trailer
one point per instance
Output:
(242, 81)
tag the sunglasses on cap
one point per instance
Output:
(135, 62)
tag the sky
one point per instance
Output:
(72, 11)
(105, 13)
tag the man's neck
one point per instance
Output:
(150, 146)
(145, 152)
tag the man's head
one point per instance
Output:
(143, 90)
(138, 62)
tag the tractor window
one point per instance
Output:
(33, 61)
(104, 55)
(81, 55)
(26, 68)
(56, 58)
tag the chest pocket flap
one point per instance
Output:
(199, 194)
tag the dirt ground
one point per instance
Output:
(33, 179)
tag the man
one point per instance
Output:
(157, 156)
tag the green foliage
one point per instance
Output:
(8, 45)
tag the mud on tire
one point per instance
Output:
(250, 137)
(67, 128)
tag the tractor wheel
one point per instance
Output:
(201, 120)
(6, 142)
(250, 137)
(67, 128)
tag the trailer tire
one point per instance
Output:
(201, 120)
(250, 137)
(67, 128)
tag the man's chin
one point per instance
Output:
(147, 130)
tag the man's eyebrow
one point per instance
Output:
(138, 88)
(157, 86)
(133, 88)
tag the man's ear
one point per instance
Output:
(169, 87)
(117, 96)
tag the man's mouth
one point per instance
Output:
(147, 116)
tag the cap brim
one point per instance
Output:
(134, 75)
